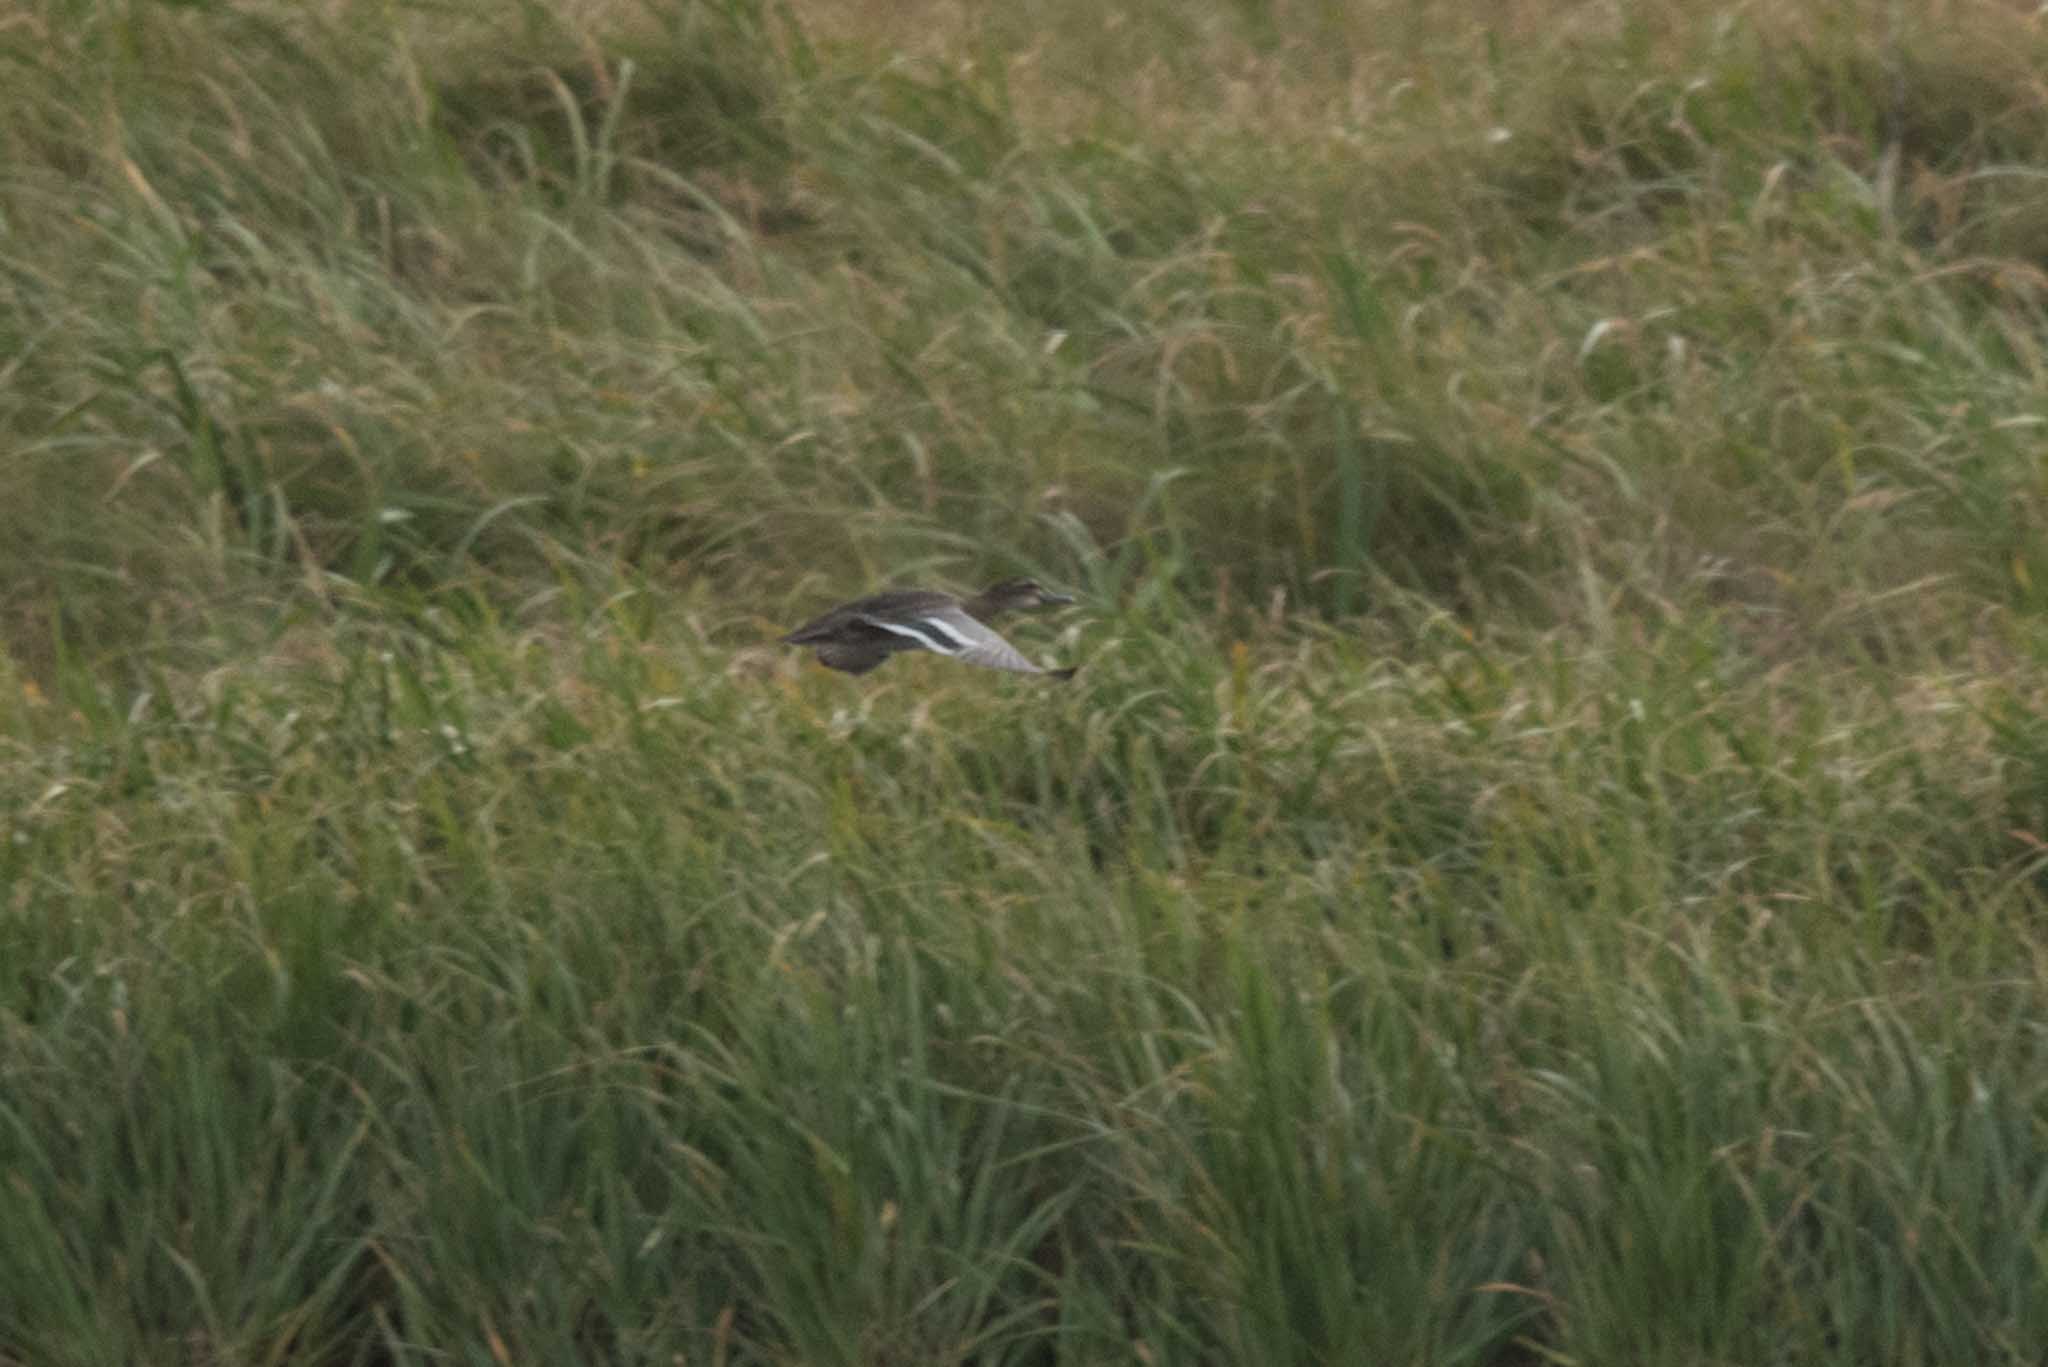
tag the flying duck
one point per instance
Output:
(858, 636)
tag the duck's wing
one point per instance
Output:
(852, 619)
(948, 631)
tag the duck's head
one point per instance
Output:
(1017, 595)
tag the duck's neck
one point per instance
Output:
(982, 608)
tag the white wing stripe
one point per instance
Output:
(933, 636)
(961, 640)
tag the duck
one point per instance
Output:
(858, 636)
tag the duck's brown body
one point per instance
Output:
(856, 637)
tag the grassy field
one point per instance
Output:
(1545, 860)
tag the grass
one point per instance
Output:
(1543, 860)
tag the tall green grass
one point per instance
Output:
(575, 996)
(1543, 859)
